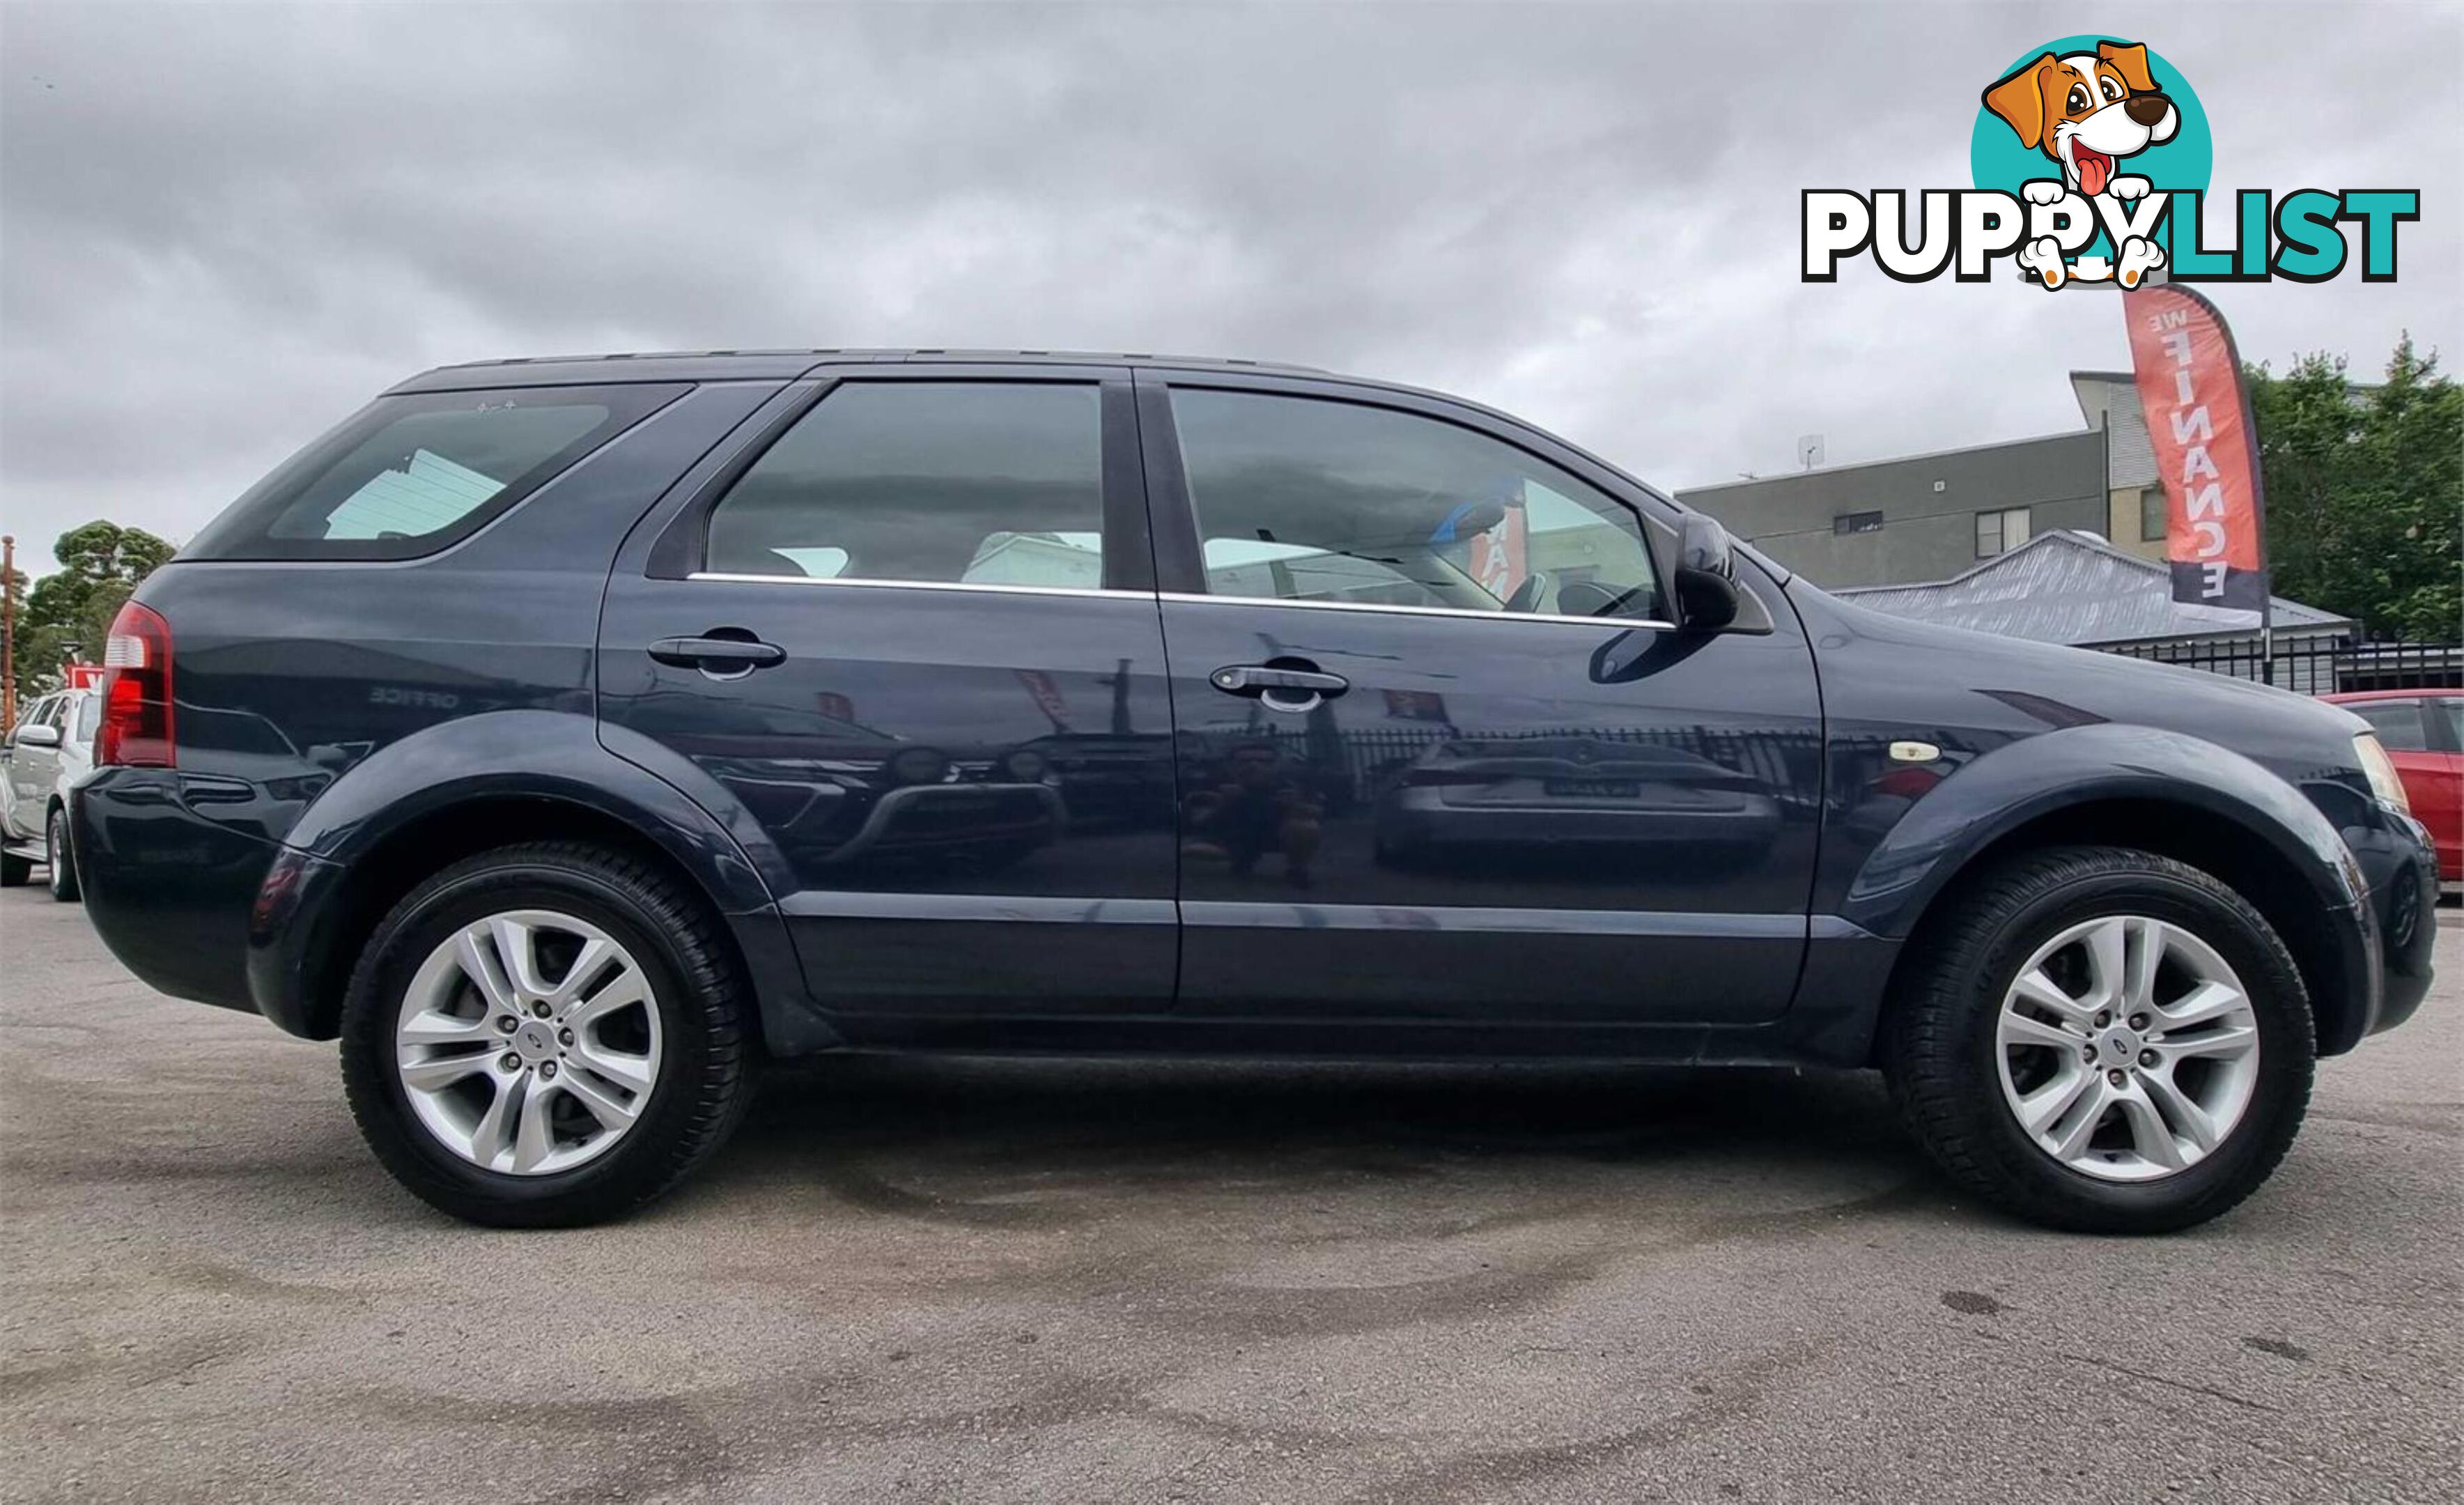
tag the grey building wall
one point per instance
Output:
(1928, 503)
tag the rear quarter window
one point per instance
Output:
(413, 473)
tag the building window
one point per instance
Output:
(1848, 523)
(2152, 515)
(2000, 532)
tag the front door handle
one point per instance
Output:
(725, 658)
(1278, 688)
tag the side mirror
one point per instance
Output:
(38, 737)
(1706, 575)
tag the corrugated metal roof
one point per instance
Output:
(2068, 588)
(2111, 399)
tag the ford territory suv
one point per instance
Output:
(569, 737)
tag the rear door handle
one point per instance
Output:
(723, 656)
(1277, 688)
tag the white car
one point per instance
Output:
(51, 749)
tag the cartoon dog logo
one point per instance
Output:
(2087, 111)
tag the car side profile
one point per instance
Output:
(568, 736)
(43, 757)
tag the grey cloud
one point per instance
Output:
(221, 227)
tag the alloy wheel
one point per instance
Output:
(528, 1042)
(2127, 1049)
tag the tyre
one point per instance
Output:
(546, 1035)
(2103, 1041)
(16, 872)
(60, 857)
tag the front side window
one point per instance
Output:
(1306, 499)
(33, 716)
(2000, 532)
(412, 473)
(973, 482)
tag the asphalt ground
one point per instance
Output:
(1065, 1281)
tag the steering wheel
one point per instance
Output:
(1591, 598)
(1527, 595)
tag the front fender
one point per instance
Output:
(519, 754)
(1995, 793)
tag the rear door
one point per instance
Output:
(1442, 759)
(907, 644)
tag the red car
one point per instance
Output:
(2423, 733)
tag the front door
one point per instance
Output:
(32, 769)
(911, 655)
(1442, 759)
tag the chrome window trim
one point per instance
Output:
(978, 586)
(992, 587)
(1472, 613)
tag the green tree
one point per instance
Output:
(2364, 492)
(102, 564)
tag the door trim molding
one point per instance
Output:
(979, 908)
(1244, 915)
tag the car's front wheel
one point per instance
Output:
(545, 1035)
(60, 857)
(2103, 1040)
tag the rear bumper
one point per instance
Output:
(167, 889)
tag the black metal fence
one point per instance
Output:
(2314, 665)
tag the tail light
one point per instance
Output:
(135, 729)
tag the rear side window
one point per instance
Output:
(2399, 724)
(89, 715)
(408, 475)
(974, 482)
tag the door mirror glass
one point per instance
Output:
(1706, 575)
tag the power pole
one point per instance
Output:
(8, 634)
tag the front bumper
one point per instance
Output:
(2401, 868)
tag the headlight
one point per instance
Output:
(919, 765)
(2381, 769)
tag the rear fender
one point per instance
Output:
(528, 755)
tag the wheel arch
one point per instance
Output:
(2156, 791)
(2234, 852)
(381, 830)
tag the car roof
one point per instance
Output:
(2420, 692)
(721, 365)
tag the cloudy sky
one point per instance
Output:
(222, 226)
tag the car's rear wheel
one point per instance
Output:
(16, 872)
(60, 857)
(545, 1035)
(2103, 1040)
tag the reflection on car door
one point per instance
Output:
(913, 646)
(1440, 758)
